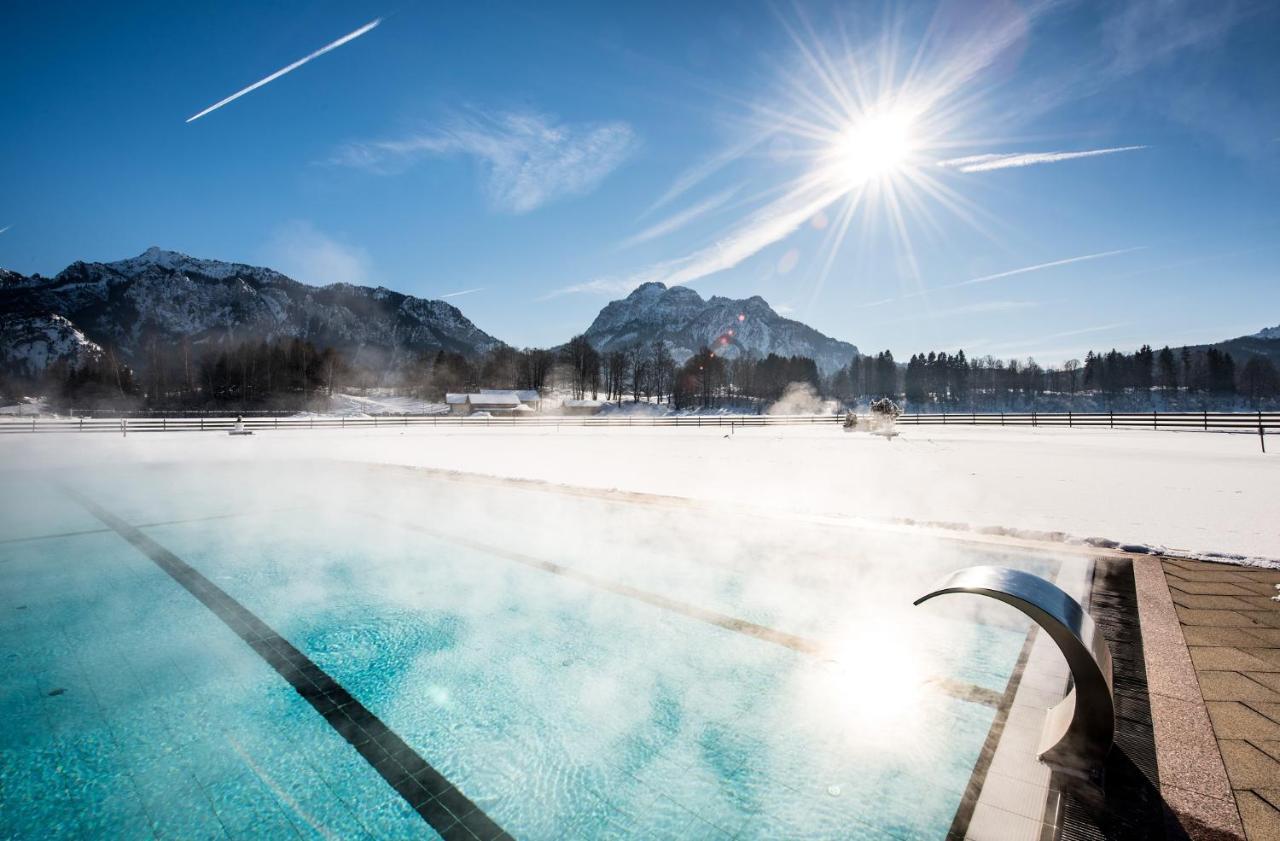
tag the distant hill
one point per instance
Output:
(1265, 343)
(166, 296)
(686, 323)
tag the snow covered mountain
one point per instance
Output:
(33, 342)
(164, 296)
(1267, 333)
(680, 317)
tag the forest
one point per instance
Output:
(295, 375)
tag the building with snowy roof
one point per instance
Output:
(495, 401)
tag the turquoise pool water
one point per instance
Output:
(589, 699)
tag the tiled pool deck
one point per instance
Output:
(1213, 640)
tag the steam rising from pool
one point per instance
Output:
(521, 681)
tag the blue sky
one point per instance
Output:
(890, 174)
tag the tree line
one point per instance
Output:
(293, 374)
(941, 380)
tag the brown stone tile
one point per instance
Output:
(1209, 574)
(1266, 576)
(1267, 618)
(1223, 658)
(1268, 636)
(1214, 602)
(1248, 767)
(1203, 818)
(1268, 679)
(1182, 563)
(1270, 656)
(1215, 618)
(1233, 686)
(1236, 637)
(1269, 709)
(1261, 819)
(1257, 602)
(1257, 588)
(1215, 588)
(1271, 795)
(1271, 747)
(1233, 720)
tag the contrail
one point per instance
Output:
(1040, 266)
(986, 163)
(276, 75)
(5, 228)
(462, 292)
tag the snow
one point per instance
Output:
(350, 405)
(1194, 494)
(684, 322)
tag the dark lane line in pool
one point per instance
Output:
(206, 518)
(955, 688)
(969, 801)
(36, 537)
(446, 809)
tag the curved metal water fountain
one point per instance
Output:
(1078, 732)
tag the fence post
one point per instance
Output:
(1155, 420)
(1068, 420)
(1262, 433)
(1206, 420)
(164, 424)
(275, 422)
(944, 418)
(1111, 419)
(1033, 417)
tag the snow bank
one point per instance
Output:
(1194, 494)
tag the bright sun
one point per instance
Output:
(877, 146)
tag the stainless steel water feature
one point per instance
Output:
(1078, 732)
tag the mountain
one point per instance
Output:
(686, 323)
(165, 296)
(1265, 343)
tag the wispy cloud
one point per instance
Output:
(462, 292)
(703, 170)
(529, 159)
(350, 36)
(768, 224)
(5, 228)
(1038, 341)
(678, 220)
(980, 308)
(877, 303)
(1040, 266)
(301, 251)
(596, 286)
(986, 163)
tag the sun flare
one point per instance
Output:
(876, 146)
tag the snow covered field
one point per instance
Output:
(1191, 492)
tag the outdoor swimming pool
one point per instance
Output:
(476, 658)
